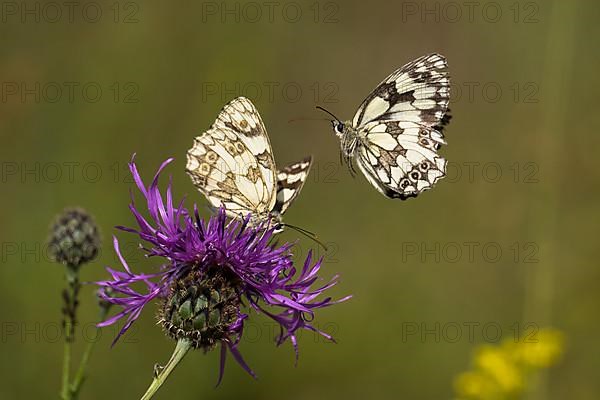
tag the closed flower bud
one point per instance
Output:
(74, 239)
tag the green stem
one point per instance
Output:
(80, 375)
(161, 374)
(69, 311)
(65, 392)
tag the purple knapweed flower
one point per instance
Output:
(210, 270)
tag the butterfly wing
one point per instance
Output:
(419, 92)
(242, 117)
(290, 181)
(232, 162)
(401, 158)
(399, 124)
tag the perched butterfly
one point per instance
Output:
(397, 131)
(232, 165)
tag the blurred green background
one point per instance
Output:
(147, 77)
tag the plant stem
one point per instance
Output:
(65, 391)
(69, 312)
(80, 375)
(161, 374)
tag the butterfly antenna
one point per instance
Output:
(328, 112)
(307, 119)
(308, 234)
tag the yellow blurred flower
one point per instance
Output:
(543, 350)
(499, 364)
(503, 372)
(474, 385)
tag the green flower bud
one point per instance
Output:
(74, 239)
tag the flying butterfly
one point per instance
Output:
(232, 165)
(397, 131)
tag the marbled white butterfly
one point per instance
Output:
(397, 131)
(232, 165)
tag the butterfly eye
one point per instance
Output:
(339, 128)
